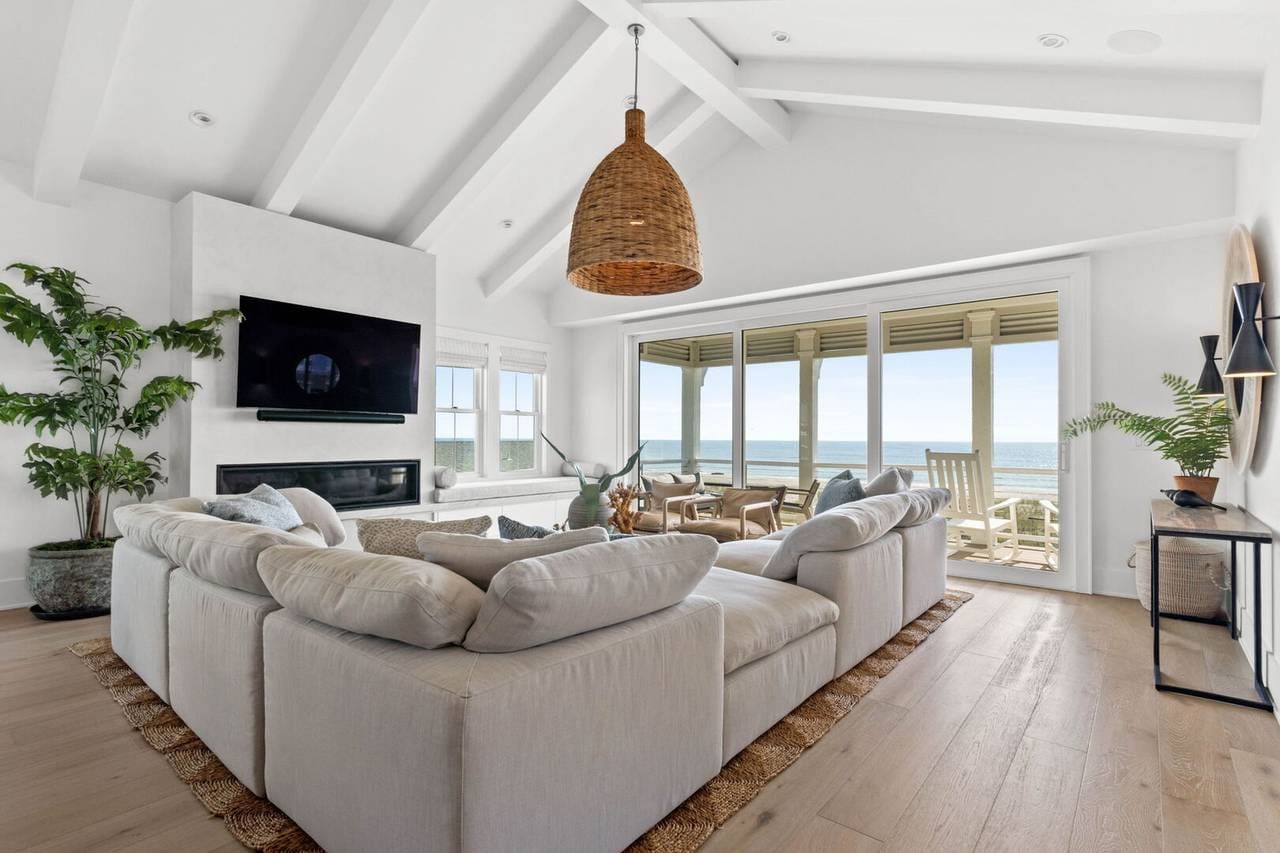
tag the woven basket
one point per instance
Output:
(1193, 576)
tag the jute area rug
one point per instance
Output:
(259, 825)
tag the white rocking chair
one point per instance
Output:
(971, 512)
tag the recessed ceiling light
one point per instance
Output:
(1134, 42)
(507, 224)
(781, 36)
(200, 118)
(1053, 41)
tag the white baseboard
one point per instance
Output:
(14, 594)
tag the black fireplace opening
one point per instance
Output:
(346, 485)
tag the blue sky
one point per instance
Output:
(926, 397)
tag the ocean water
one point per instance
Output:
(835, 456)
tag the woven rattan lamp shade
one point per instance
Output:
(633, 230)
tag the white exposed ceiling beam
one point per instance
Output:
(1177, 103)
(692, 58)
(675, 125)
(373, 43)
(845, 10)
(89, 53)
(552, 91)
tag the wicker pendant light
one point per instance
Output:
(633, 230)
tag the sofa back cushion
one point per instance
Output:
(400, 598)
(543, 599)
(923, 504)
(221, 552)
(839, 529)
(311, 508)
(890, 481)
(478, 558)
(396, 535)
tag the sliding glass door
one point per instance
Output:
(967, 394)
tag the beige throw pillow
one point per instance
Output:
(396, 535)
(399, 598)
(544, 599)
(478, 558)
(662, 491)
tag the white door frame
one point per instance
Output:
(1068, 277)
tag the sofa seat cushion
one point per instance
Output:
(479, 558)
(543, 599)
(747, 556)
(400, 598)
(761, 615)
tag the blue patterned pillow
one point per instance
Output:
(264, 506)
(843, 488)
(509, 528)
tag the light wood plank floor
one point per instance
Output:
(1027, 722)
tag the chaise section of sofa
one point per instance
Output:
(577, 745)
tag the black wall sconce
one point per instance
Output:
(1248, 355)
(1210, 384)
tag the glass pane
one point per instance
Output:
(981, 379)
(842, 417)
(516, 443)
(524, 392)
(444, 387)
(805, 404)
(771, 421)
(465, 443)
(686, 407)
(444, 441)
(464, 387)
(507, 389)
(526, 427)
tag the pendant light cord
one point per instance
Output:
(635, 83)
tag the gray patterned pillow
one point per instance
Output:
(509, 528)
(397, 535)
(843, 488)
(263, 506)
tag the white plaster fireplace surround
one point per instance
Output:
(222, 250)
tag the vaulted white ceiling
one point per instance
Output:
(431, 122)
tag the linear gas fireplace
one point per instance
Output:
(346, 485)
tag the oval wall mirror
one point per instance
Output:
(1244, 396)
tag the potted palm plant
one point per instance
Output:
(591, 507)
(93, 347)
(1195, 437)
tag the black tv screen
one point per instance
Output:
(297, 357)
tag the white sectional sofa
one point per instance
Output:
(569, 706)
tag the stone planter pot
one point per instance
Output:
(1202, 486)
(70, 584)
(589, 510)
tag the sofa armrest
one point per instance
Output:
(413, 744)
(866, 584)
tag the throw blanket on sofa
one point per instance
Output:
(849, 525)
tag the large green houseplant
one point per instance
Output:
(1195, 436)
(93, 347)
(590, 507)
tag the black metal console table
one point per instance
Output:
(1233, 525)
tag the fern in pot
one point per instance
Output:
(93, 347)
(1194, 437)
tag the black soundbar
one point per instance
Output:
(317, 415)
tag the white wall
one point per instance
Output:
(120, 242)
(235, 250)
(850, 197)
(1149, 305)
(1258, 207)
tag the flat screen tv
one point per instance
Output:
(298, 357)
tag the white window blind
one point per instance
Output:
(456, 352)
(523, 360)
